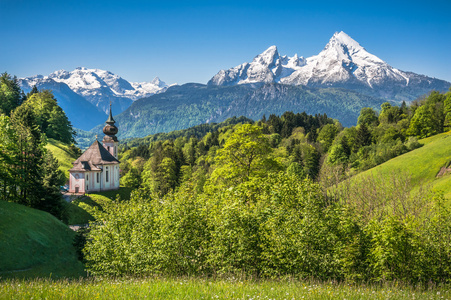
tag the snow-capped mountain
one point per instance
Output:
(342, 63)
(99, 87)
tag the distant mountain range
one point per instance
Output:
(85, 94)
(342, 63)
(193, 104)
(339, 81)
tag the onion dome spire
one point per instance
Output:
(110, 129)
(110, 118)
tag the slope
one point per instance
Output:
(422, 164)
(34, 243)
(63, 153)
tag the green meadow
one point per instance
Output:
(420, 165)
(189, 288)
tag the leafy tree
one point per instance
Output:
(422, 123)
(50, 117)
(9, 159)
(327, 135)
(447, 111)
(245, 154)
(10, 94)
(368, 116)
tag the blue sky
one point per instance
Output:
(190, 41)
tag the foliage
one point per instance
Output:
(29, 173)
(50, 117)
(10, 94)
(244, 155)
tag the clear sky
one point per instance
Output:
(190, 41)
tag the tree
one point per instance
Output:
(368, 117)
(10, 94)
(422, 123)
(245, 154)
(363, 137)
(447, 111)
(311, 161)
(9, 155)
(30, 143)
(50, 118)
(327, 135)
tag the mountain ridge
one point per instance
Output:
(96, 85)
(342, 63)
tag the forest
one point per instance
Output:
(266, 199)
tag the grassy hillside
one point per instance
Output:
(421, 164)
(33, 243)
(64, 155)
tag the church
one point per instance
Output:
(97, 169)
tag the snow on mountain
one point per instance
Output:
(100, 87)
(342, 63)
(90, 82)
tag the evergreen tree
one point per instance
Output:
(363, 136)
(30, 143)
(34, 90)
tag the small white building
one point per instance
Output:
(97, 169)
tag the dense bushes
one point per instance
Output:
(276, 226)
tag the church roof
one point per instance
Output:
(96, 155)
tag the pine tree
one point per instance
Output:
(363, 137)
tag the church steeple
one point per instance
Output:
(110, 118)
(110, 141)
(110, 129)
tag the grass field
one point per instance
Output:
(34, 243)
(61, 152)
(421, 164)
(208, 289)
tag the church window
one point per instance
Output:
(106, 176)
(98, 177)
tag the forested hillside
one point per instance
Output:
(188, 105)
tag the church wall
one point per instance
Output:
(113, 177)
(77, 179)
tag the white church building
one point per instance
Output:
(97, 169)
